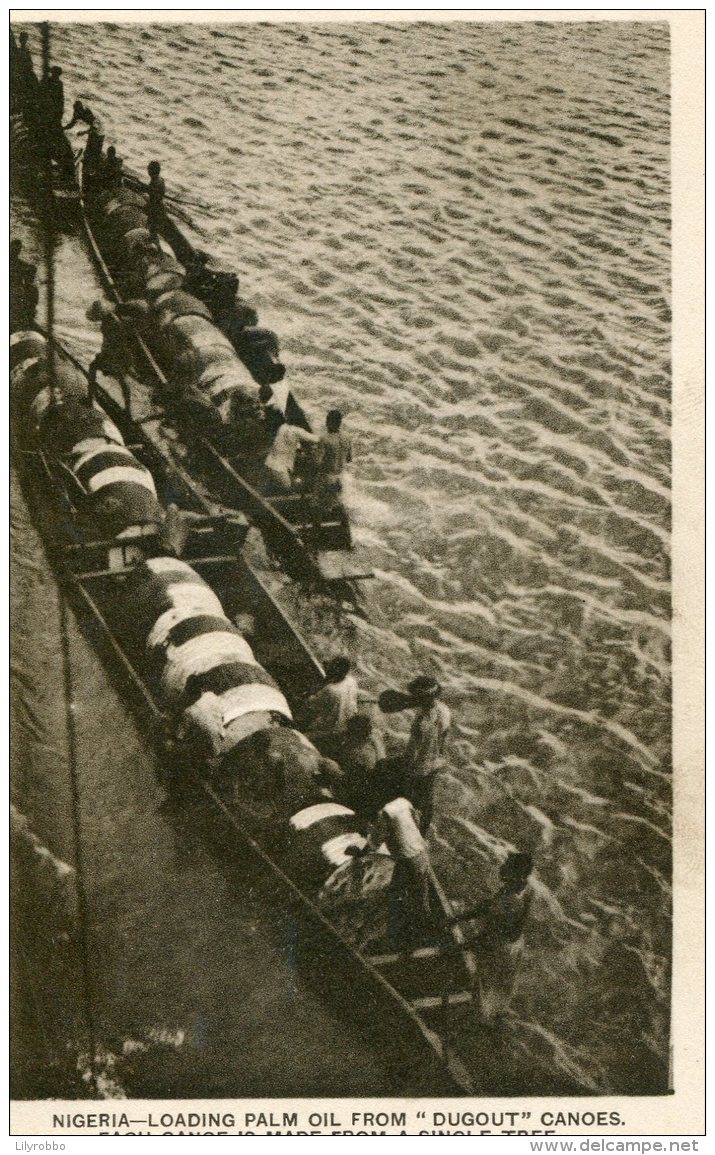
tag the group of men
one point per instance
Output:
(330, 451)
(395, 799)
(42, 104)
(366, 778)
(393, 795)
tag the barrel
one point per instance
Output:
(228, 385)
(161, 262)
(164, 584)
(205, 337)
(26, 345)
(176, 303)
(122, 219)
(318, 838)
(224, 655)
(73, 428)
(121, 197)
(258, 349)
(194, 346)
(199, 660)
(30, 379)
(121, 490)
(136, 241)
(162, 282)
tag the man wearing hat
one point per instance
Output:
(424, 756)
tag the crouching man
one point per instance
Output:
(411, 919)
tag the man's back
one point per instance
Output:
(428, 739)
(157, 191)
(505, 916)
(361, 758)
(335, 704)
(335, 453)
(397, 827)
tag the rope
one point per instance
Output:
(49, 216)
(70, 722)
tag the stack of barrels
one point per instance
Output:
(194, 352)
(116, 489)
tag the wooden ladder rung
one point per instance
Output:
(384, 960)
(433, 1002)
(218, 559)
(87, 575)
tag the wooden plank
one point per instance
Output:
(92, 574)
(382, 960)
(434, 1002)
(341, 565)
(108, 543)
(194, 562)
(217, 559)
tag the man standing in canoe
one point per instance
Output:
(111, 172)
(80, 115)
(425, 754)
(115, 356)
(410, 914)
(52, 98)
(330, 709)
(333, 454)
(360, 755)
(500, 941)
(155, 204)
(92, 160)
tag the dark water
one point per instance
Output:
(461, 234)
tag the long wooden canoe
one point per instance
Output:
(406, 1001)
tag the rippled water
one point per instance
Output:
(461, 234)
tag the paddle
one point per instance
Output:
(135, 178)
(186, 218)
(393, 701)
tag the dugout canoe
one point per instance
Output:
(97, 504)
(210, 394)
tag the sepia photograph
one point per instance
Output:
(341, 378)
